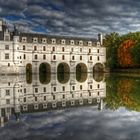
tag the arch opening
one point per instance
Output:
(63, 73)
(98, 67)
(81, 72)
(29, 73)
(44, 73)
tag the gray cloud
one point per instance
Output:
(71, 17)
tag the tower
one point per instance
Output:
(100, 38)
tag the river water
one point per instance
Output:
(85, 107)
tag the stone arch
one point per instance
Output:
(63, 73)
(98, 67)
(29, 73)
(81, 72)
(44, 73)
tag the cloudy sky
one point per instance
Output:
(72, 17)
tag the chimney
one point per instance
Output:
(100, 38)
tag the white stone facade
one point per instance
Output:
(19, 49)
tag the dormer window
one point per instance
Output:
(35, 40)
(53, 41)
(7, 38)
(24, 39)
(44, 40)
(71, 42)
(63, 41)
(98, 44)
(81, 42)
(89, 43)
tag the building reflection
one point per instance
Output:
(17, 95)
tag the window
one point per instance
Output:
(35, 98)
(98, 58)
(54, 57)
(7, 38)
(7, 56)
(44, 40)
(97, 50)
(23, 39)
(7, 92)
(98, 93)
(89, 93)
(63, 49)
(98, 86)
(89, 50)
(35, 39)
(6, 47)
(71, 42)
(90, 57)
(72, 49)
(73, 87)
(54, 88)
(81, 42)
(63, 41)
(44, 98)
(80, 49)
(81, 87)
(63, 96)
(90, 86)
(24, 99)
(35, 56)
(53, 49)
(7, 101)
(35, 48)
(63, 57)
(8, 64)
(44, 48)
(24, 90)
(63, 88)
(53, 97)
(44, 56)
(44, 89)
(80, 57)
(23, 47)
(73, 57)
(36, 90)
(53, 41)
(24, 56)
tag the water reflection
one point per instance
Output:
(17, 96)
(123, 91)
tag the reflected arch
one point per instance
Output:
(98, 76)
(63, 73)
(44, 73)
(81, 72)
(98, 67)
(29, 73)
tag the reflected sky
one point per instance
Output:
(85, 123)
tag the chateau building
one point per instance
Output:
(20, 51)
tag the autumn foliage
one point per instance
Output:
(124, 54)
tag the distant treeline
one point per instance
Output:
(123, 51)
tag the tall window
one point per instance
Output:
(44, 56)
(23, 47)
(54, 57)
(73, 57)
(7, 56)
(7, 92)
(35, 56)
(24, 56)
(80, 57)
(90, 57)
(35, 48)
(63, 49)
(6, 47)
(63, 57)
(53, 49)
(89, 50)
(44, 48)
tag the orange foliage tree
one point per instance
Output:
(124, 55)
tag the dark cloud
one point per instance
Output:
(73, 17)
